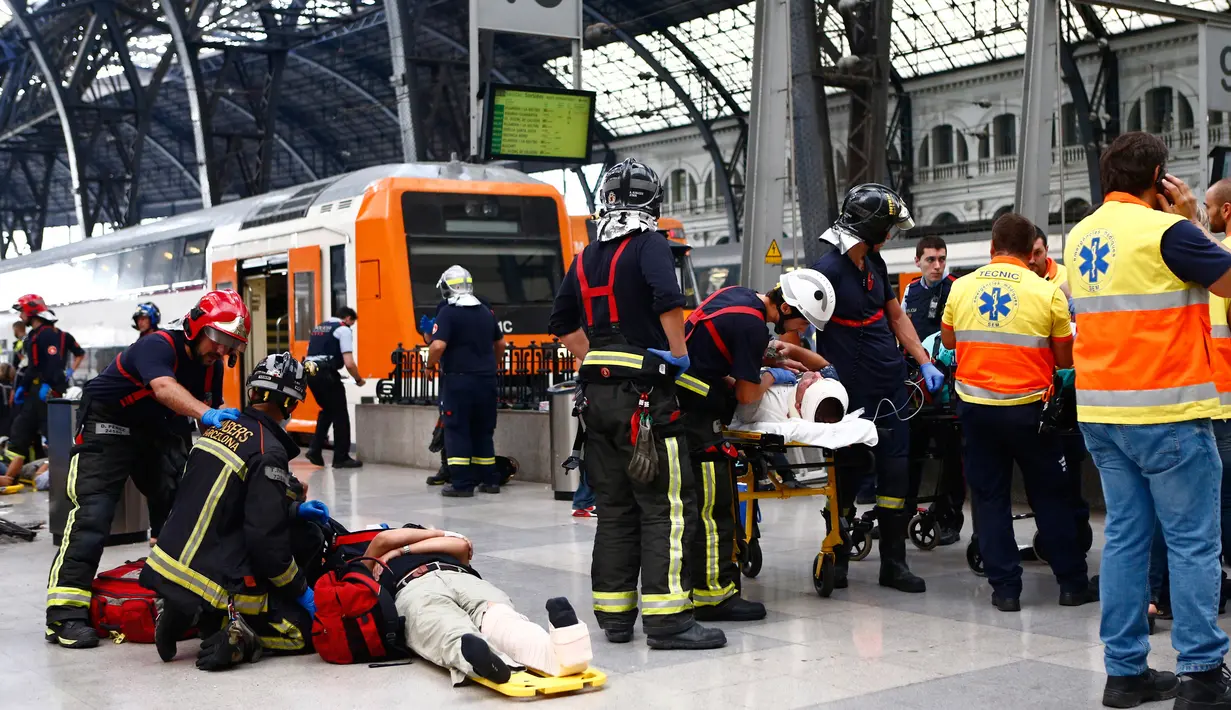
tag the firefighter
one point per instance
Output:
(467, 344)
(331, 347)
(126, 427)
(861, 341)
(47, 374)
(620, 311)
(146, 319)
(228, 553)
(727, 345)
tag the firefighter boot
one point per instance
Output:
(894, 572)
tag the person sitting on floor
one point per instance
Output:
(459, 621)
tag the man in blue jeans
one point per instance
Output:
(1139, 270)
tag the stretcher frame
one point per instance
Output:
(753, 447)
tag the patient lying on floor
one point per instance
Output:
(813, 398)
(464, 623)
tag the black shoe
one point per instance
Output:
(1206, 689)
(618, 635)
(1133, 690)
(894, 573)
(236, 643)
(732, 609)
(73, 633)
(560, 613)
(169, 628)
(949, 536)
(1084, 596)
(1006, 603)
(315, 458)
(440, 478)
(489, 489)
(450, 492)
(486, 663)
(348, 463)
(696, 638)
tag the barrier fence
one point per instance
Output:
(522, 378)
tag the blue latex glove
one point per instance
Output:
(307, 600)
(314, 511)
(829, 372)
(931, 376)
(681, 363)
(19, 395)
(782, 376)
(68, 375)
(43, 391)
(425, 325)
(215, 417)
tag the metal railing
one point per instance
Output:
(522, 378)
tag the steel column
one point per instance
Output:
(401, 25)
(812, 150)
(1033, 189)
(1085, 121)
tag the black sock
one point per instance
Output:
(560, 613)
(485, 662)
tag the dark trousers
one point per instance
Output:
(109, 453)
(28, 426)
(996, 437)
(892, 450)
(469, 404)
(951, 487)
(330, 396)
(643, 529)
(715, 574)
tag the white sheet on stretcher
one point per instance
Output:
(848, 432)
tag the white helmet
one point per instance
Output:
(810, 293)
(457, 287)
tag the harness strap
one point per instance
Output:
(589, 292)
(859, 323)
(144, 391)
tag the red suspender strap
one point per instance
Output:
(63, 354)
(700, 316)
(858, 323)
(588, 292)
(32, 339)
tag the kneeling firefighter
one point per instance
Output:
(728, 343)
(620, 309)
(227, 557)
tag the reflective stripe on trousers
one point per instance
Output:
(67, 596)
(712, 593)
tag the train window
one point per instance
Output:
(717, 277)
(305, 304)
(337, 275)
(132, 269)
(107, 273)
(160, 264)
(192, 265)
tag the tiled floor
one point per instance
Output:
(866, 647)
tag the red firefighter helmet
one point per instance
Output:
(222, 317)
(31, 305)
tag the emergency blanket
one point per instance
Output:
(848, 432)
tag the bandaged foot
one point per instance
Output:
(560, 652)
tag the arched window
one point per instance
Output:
(1001, 212)
(709, 186)
(692, 189)
(1076, 210)
(675, 186)
(1070, 132)
(948, 146)
(946, 219)
(1004, 135)
(924, 153)
(839, 168)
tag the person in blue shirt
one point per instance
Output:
(467, 344)
(924, 298)
(861, 342)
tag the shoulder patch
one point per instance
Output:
(276, 473)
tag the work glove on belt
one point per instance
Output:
(643, 466)
(234, 644)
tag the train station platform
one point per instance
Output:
(865, 647)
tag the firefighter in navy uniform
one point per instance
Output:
(233, 555)
(146, 319)
(467, 344)
(331, 347)
(728, 343)
(126, 427)
(861, 342)
(46, 375)
(620, 311)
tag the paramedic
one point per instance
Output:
(231, 538)
(1011, 330)
(727, 345)
(331, 347)
(620, 311)
(861, 341)
(125, 426)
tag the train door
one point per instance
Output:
(263, 285)
(304, 284)
(225, 275)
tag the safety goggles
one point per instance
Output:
(231, 342)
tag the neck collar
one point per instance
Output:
(292, 449)
(1006, 259)
(1126, 198)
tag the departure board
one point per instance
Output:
(531, 123)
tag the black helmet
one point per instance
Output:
(870, 210)
(147, 310)
(279, 374)
(631, 185)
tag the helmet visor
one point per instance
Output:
(225, 339)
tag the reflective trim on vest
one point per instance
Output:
(1140, 302)
(1147, 398)
(1220, 331)
(971, 392)
(987, 336)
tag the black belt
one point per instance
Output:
(429, 567)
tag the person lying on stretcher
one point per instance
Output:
(462, 622)
(812, 398)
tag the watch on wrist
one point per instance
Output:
(405, 549)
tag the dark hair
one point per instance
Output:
(345, 312)
(1129, 162)
(929, 242)
(1039, 234)
(1014, 235)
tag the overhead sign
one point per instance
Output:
(1215, 65)
(553, 18)
(533, 123)
(773, 255)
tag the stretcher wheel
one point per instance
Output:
(822, 574)
(861, 544)
(924, 532)
(974, 558)
(750, 561)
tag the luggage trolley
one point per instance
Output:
(764, 479)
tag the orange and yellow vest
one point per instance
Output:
(1143, 335)
(1004, 318)
(1056, 273)
(1220, 352)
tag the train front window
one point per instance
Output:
(510, 245)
